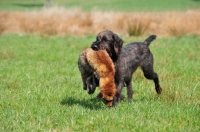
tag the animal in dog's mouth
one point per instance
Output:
(103, 68)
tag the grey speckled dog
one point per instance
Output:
(131, 57)
(128, 60)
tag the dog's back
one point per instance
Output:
(131, 57)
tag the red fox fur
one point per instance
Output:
(104, 70)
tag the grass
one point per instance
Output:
(40, 85)
(41, 88)
(103, 5)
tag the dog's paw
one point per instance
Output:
(130, 100)
(90, 91)
(84, 88)
(99, 96)
(159, 90)
(121, 97)
(114, 102)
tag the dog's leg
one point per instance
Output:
(119, 96)
(157, 85)
(147, 67)
(129, 89)
(88, 82)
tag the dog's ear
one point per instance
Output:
(118, 42)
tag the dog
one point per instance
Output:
(130, 58)
(99, 63)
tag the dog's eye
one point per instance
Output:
(104, 38)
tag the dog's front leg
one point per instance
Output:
(119, 96)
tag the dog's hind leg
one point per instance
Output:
(157, 85)
(147, 67)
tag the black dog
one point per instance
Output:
(130, 58)
(105, 40)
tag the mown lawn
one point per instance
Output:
(103, 5)
(41, 88)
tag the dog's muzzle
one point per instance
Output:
(95, 47)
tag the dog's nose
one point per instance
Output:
(95, 47)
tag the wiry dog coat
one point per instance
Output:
(131, 56)
(103, 68)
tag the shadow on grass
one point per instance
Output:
(93, 104)
(29, 5)
(196, 0)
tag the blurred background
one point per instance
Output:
(78, 17)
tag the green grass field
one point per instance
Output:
(103, 5)
(41, 88)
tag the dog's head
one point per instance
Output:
(107, 40)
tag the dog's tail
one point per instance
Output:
(149, 39)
